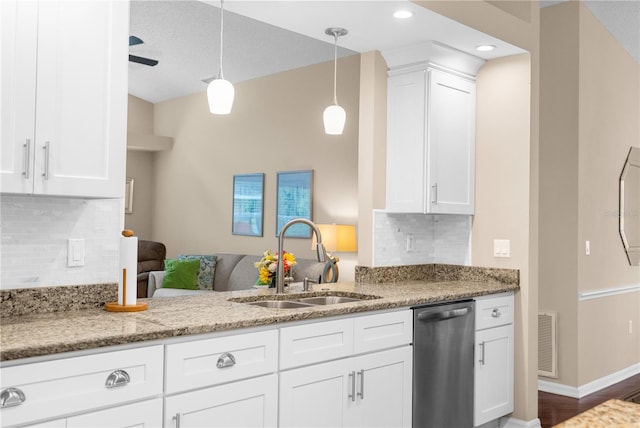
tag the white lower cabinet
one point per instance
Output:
(493, 393)
(368, 390)
(146, 414)
(246, 403)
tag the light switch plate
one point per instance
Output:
(75, 252)
(501, 248)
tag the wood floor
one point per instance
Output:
(553, 409)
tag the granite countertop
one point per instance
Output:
(41, 334)
(610, 414)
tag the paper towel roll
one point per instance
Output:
(128, 271)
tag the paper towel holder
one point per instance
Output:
(115, 306)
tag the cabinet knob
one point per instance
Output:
(117, 378)
(226, 360)
(10, 397)
(496, 313)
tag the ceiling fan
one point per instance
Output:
(133, 40)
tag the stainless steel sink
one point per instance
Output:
(280, 304)
(328, 300)
(300, 300)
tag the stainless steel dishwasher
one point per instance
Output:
(443, 346)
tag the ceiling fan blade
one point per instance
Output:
(133, 40)
(142, 60)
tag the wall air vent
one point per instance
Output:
(547, 348)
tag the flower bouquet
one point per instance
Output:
(268, 264)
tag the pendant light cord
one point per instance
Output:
(220, 74)
(335, 68)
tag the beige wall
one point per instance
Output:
(590, 106)
(516, 23)
(502, 181)
(140, 168)
(372, 149)
(275, 125)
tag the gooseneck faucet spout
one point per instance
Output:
(321, 253)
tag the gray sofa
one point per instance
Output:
(234, 272)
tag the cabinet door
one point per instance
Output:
(247, 403)
(383, 388)
(493, 374)
(451, 144)
(18, 40)
(81, 100)
(138, 415)
(321, 395)
(406, 156)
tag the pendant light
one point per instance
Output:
(220, 92)
(334, 116)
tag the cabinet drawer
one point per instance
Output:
(317, 342)
(494, 311)
(213, 361)
(59, 387)
(375, 332)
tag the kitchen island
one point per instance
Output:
(215, 359)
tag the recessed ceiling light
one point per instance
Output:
(402, 14)
(485, 48)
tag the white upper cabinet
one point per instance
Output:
(64, 97)
(430, 139)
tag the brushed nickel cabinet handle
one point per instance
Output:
(496, 313)
(177, 419)
(11, 397)
(481, 360)
(47, 154)
(352, 394)
(361, 393)
(117, 378)
(26, 171)
(226, 360)
(434, 194)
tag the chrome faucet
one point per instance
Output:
(320, 251)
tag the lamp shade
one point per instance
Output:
(334, 118)
(220, 94)
(339, 238)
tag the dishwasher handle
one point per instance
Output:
(444, 315)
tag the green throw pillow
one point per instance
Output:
(181, 274)
(207, 269)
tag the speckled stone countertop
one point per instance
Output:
(610, 414)
(40, 334)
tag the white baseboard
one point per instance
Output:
(588, 388)
(518, 423)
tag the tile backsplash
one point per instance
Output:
(35, 230)
(437, 238)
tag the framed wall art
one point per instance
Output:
(248, 204)
(294, 200)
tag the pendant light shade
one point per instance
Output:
(220, 92)
(334, 116)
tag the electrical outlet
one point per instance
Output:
(410, 242)
(501, 248)
(630, 327)
(587, 248)
(75, 252)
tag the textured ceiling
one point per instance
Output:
(620, 17)
(184, 36)
(269, 36)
